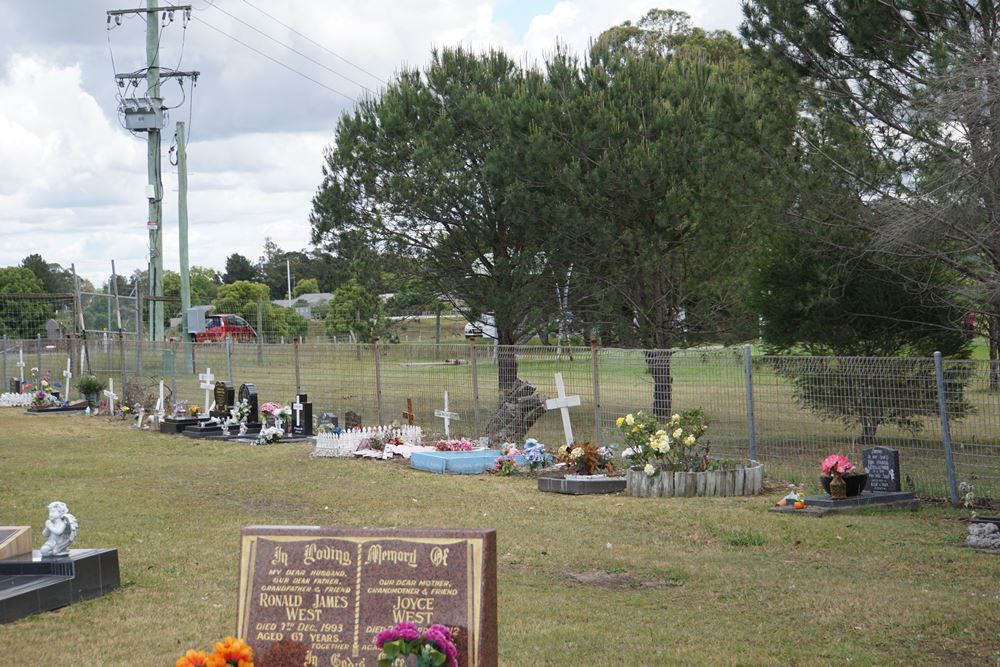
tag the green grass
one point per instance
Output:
(590, 580)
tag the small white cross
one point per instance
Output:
(208, 384)
(159, 402)
(297, 409)
(68, 374)
(142, 415)
(563, 403)
(447, 417)
(110, 393)
(20, 366)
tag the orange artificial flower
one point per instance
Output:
(192, 659)
(231, 653)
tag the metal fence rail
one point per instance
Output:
(800, 409)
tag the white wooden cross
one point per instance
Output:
(20, 367)
(110, 393)
(68, 374)
(159, 402)
(297, 411)
(208, 384)
(447, 417)
(563, 403)
(142, 415)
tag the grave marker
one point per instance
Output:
(337, 588)
(882, 466)
(206, 383)
(112, 396)
(447, 416)
(20, 368)
(302, 415)
(159, 403)
(68, 374)
(563, 404)
(224, 396)
(248, 393)
(408, 413)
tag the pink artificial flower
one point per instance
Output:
(407, 631)
(837, 463)
(387, 635)
(270, 408)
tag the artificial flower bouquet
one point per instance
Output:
(432, 648)
(838, 464)
(586, 458)
(269, 435)
(230, 653)
(460, 445)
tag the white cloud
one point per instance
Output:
(72, 180)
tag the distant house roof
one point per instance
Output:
(311, 299)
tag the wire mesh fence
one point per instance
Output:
(803, 408)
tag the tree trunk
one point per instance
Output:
(519, 409)
(994, 345)
(868, 428)
(506, 369)
(658, 363)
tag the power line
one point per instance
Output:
(292, 49)
(309, 39)
(276, 61)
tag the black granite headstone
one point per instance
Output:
(224, 398)
(248, 392)
(352, 419)
(14, 386)
(328, 418)
(882, 466)
(302, 415)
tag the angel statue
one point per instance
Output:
(60, 528)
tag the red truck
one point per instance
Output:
(222, 326)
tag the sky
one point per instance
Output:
(73, 180)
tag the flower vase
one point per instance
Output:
(838, 487)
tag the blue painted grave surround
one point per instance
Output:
(462, 463)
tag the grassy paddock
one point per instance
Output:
(605, 580)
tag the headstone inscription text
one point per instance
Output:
(335, 589)
(882, 466)
(224, 397)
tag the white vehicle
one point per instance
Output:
(484, 327)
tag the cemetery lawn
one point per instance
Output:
(593, 580)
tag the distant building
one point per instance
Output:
(304, 303)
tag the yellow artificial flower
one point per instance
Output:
(629, 419)
(678, 433)
(689, 440)
(619, 421)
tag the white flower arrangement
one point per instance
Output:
(269, 435)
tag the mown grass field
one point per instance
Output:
(593, 580)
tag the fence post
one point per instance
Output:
(475, 382)
(260, 332)
(4, 353)
(298, 376)
(945, 430)
(751, 427)
(229, 359)
(71, 352)
(595, 372)
(173, 377)
(378, 378)
(138, 333)
(38, 354)
(121, 356)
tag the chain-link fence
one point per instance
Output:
(798, 411)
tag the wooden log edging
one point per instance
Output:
(747, 480)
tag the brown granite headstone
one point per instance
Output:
(335, 589)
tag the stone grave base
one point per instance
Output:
(823, 505)
(285, 439)
(173, 426)
(72, 407)
(579, 485)
(463, 463)
(30, 584)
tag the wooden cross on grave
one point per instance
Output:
(68, 374)
(408, 413)
(159, 402)
(447, 416)
(208, 384)
(20, 367)
(563, 403)
(112, 396)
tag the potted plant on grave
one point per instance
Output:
(840, 473)
(90, 387)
